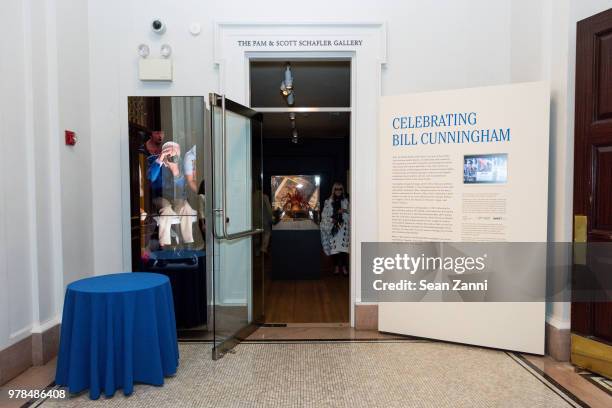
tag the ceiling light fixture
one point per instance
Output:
(294, 134)
(284, 90)
(286, 86)
(294, 137)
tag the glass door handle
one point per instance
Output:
(224, 235)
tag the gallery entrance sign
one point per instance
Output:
(466, 165)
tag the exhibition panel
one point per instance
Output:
(467, 165)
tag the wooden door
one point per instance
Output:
(593, 161)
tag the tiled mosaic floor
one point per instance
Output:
(366, 374)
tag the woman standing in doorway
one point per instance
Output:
(335, 236)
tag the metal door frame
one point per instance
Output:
(212, 235)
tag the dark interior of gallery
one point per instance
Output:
(306, 108)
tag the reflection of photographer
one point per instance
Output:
(164, 172)
(335, 228)
(169, 195)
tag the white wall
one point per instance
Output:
(46, 175)
(45, 230)
(16, 266)
(77, 183)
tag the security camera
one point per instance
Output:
(158, 26)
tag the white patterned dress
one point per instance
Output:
(334, 244)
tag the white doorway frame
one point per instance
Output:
(367, 56)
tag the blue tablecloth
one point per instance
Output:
(117, 330)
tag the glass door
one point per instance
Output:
(167, 151)
(235, 228)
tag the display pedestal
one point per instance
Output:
(186, 270)
(296, 254)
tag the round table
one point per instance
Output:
(116, 330)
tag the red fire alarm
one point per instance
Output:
(70, 138)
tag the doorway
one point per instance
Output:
(306, 111)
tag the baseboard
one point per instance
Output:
(45, 345)
(557, 343)
(15, 359)
(366, 316)
(557, 340)
(36, 349)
